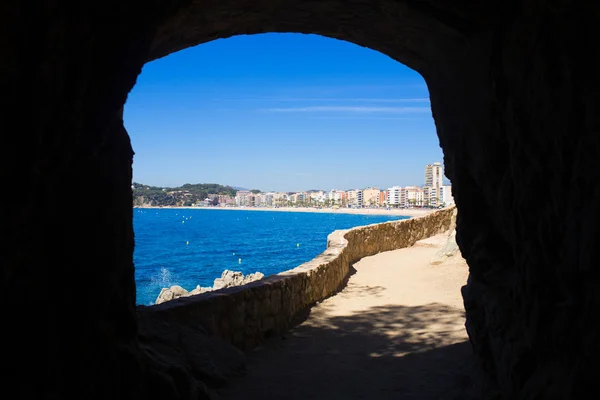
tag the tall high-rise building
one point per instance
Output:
(434, 181)
(434, 175)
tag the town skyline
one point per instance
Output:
(445, 180)
(236, 187)
(433, 192)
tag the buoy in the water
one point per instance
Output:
(187, 242)
(182, 222)
(297, 244)
(239, 260)
(233, 254)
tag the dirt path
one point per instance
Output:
(395, 332)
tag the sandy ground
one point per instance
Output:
(395, 332)
(409, 212)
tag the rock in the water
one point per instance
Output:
(253, 277)
(228, 279)
(199, 290)
(235, 278)
(171, 293)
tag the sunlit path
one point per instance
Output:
(395, 332)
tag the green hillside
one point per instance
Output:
(186, 195)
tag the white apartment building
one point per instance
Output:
(394, 196)
(318, 197)
(371, 196)
(335, 196)
(266, 199)
(446, 198)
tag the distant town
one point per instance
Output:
(432, 194)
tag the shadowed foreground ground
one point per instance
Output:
(395, 332)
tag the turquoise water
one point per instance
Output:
(190, 247)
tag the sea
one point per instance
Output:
(190, 247)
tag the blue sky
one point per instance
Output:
(282, 112)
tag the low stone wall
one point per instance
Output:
(246, 315)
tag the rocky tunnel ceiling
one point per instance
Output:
(414, 33)
(514, 94)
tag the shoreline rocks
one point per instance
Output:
(228, 279)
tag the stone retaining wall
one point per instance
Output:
(246, 315)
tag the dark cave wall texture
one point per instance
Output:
(515, 96)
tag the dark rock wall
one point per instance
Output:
(531, 300)
(514, 90)
(68, 319)
(521, 144)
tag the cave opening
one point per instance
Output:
(513, 91)
(291, 114)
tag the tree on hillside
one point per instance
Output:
(185, 194)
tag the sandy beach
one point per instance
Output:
(408, 212)
(396, 331)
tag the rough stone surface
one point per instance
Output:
(235, 278)
(228, 279)
(206, 359)
(514, 94)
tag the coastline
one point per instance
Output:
(406, 212)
